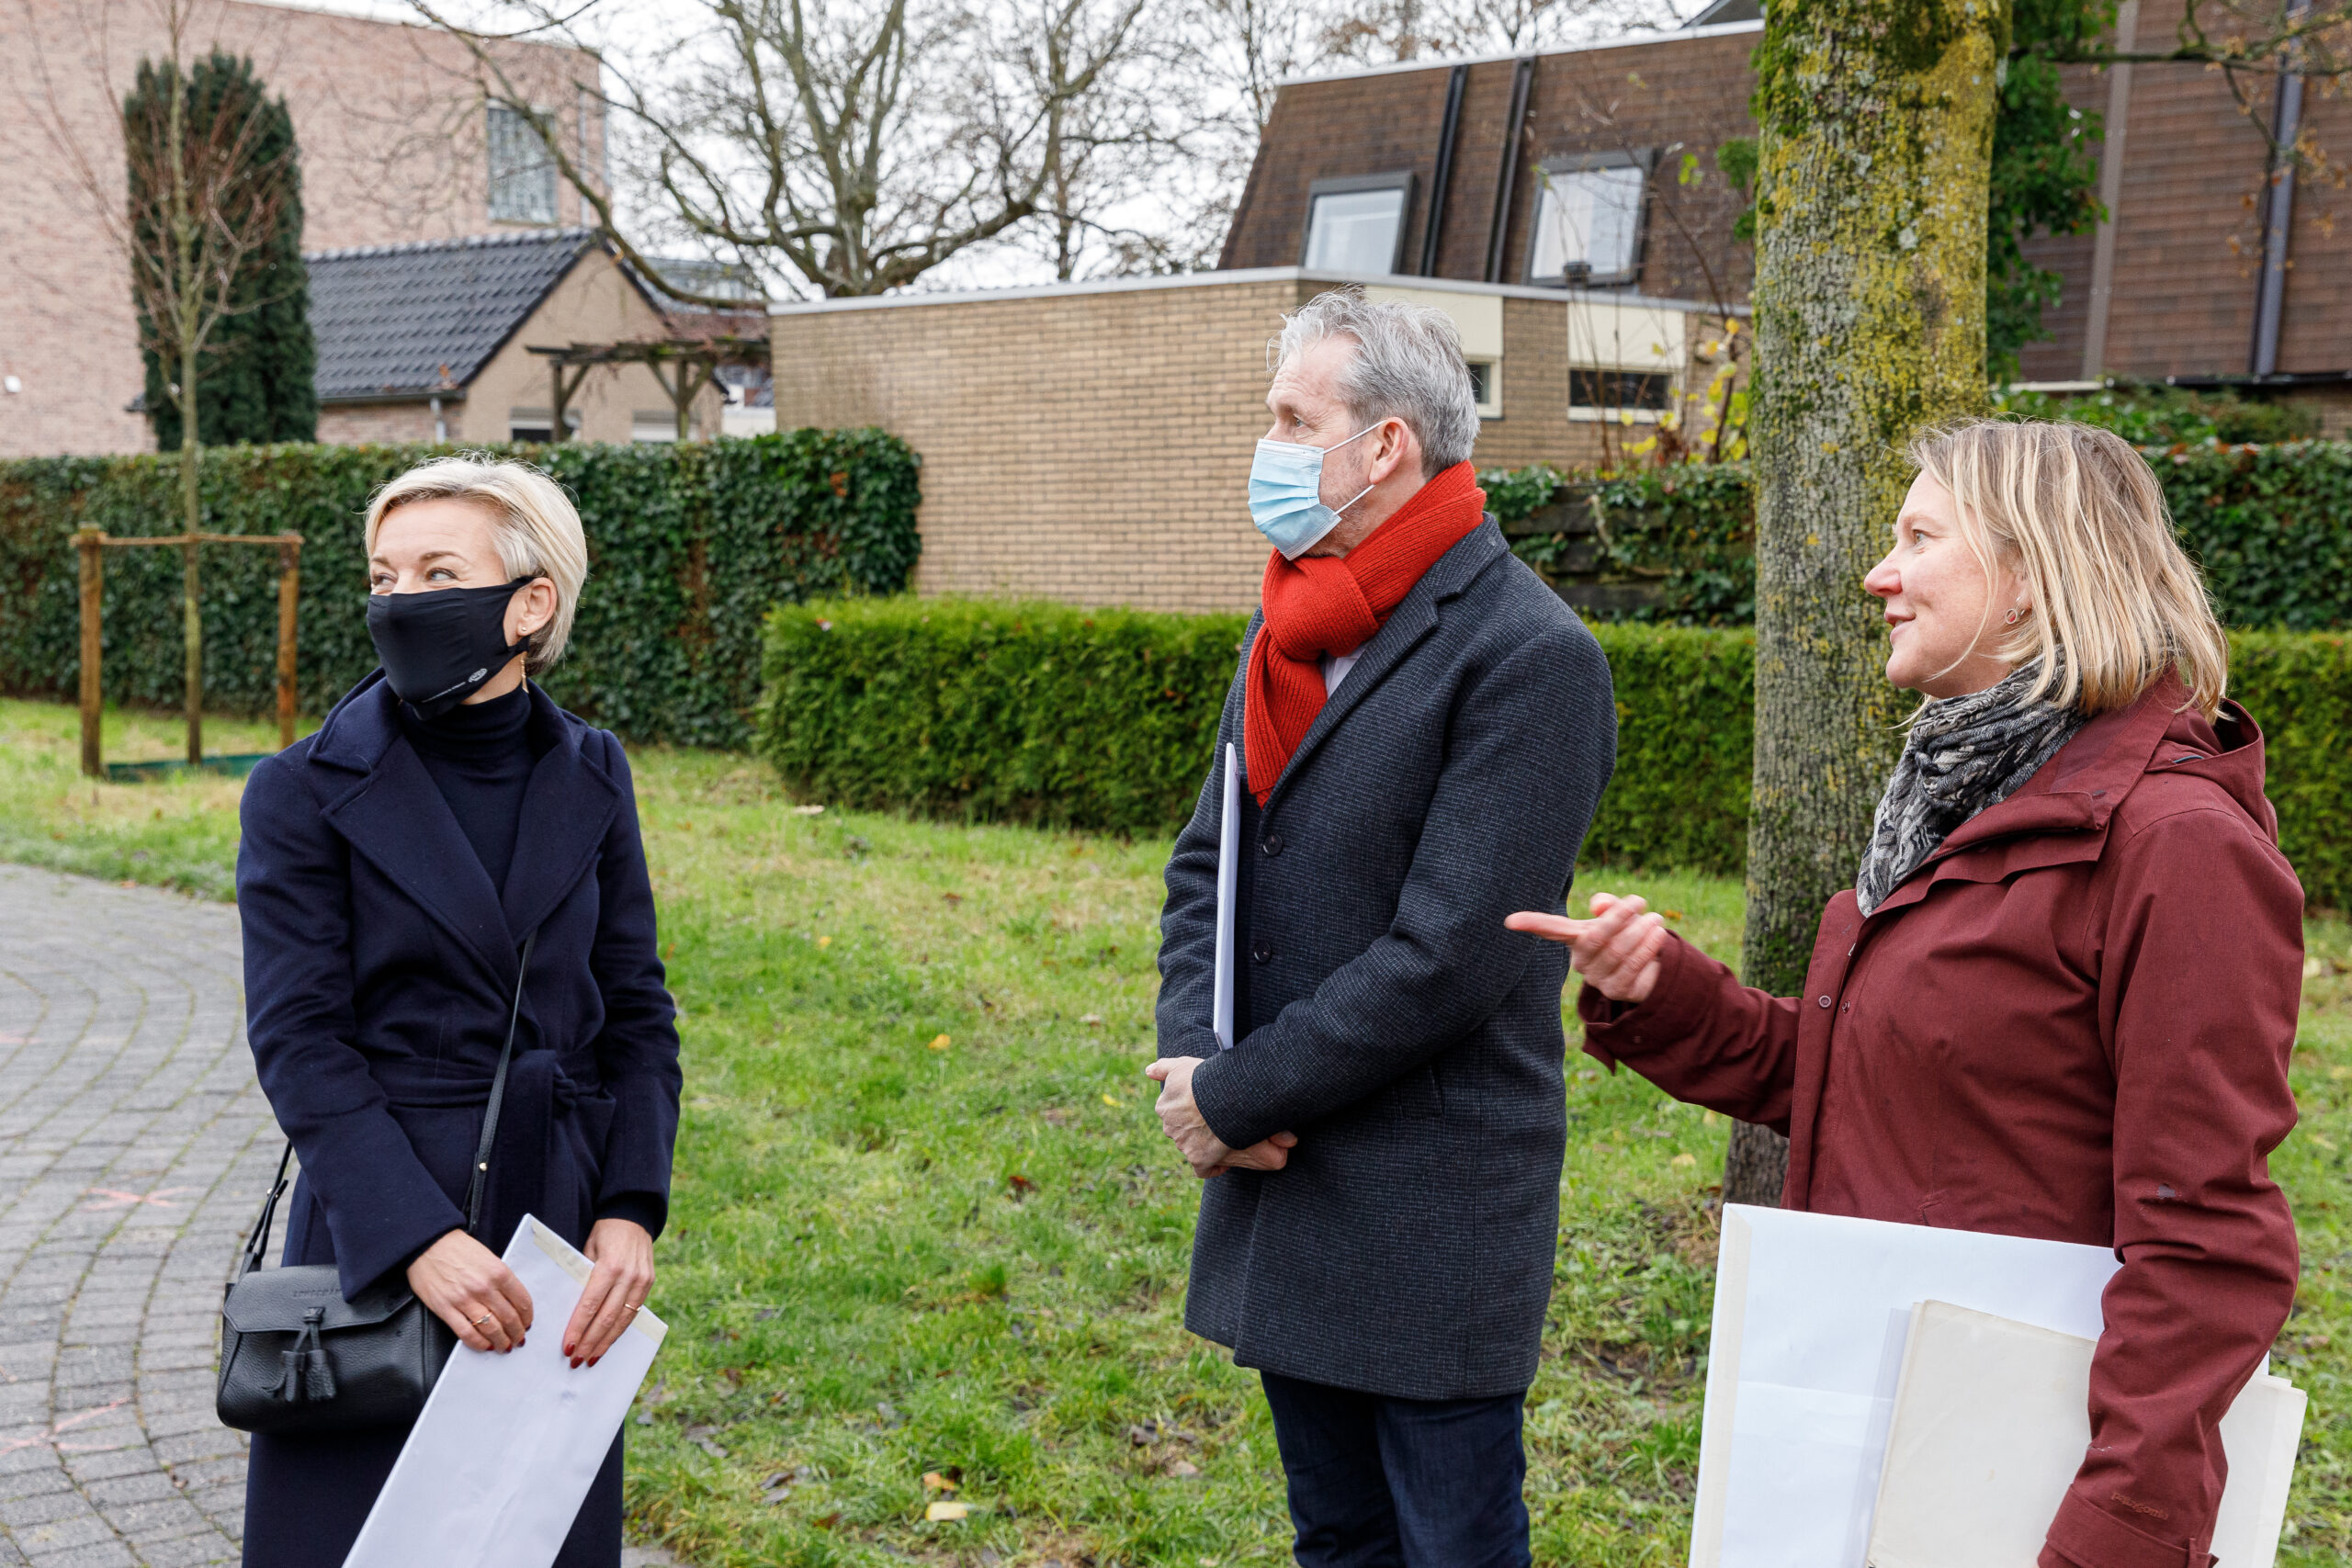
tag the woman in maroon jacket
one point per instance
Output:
(2060, 999)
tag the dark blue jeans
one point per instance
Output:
(1381, 1482)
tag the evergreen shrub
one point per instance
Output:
(1043, 713)
(689, 546)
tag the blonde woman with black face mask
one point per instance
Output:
(449, 838)
(2060, 999)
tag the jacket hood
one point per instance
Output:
(2079, 790)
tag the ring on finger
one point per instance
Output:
(483, 1318)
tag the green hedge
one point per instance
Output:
(690, 545)
(996, 712)
(1043, 713)
(2271, 526)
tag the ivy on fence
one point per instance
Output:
(2271, 526)
(689, 546)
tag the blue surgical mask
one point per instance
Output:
(1286, 494)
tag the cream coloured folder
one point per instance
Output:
(1991, 1420)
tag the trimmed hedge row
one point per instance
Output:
(2272, 526)
(690, 545)
(1104, 720)
(999, 712)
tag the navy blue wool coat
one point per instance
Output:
(380, 966)
(1385, 1015)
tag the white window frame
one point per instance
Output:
(1401, 181)
(1644, 161)
(506, 130)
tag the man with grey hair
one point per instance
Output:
(1422, 730)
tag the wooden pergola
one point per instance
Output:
(685, 367)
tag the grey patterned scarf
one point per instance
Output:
(1965, 753)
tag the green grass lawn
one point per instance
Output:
(929, 1245)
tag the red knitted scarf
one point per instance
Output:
(1320, 604)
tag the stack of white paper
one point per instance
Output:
(495, 1469)
(1813, 1314)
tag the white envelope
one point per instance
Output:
(1229, 874)
(496, 1467)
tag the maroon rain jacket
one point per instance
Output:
(2072, 1023)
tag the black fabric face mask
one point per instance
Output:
(438, 646)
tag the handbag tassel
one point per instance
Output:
(306, 1374)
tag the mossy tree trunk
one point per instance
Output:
(1875, 148)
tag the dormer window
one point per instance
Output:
(1588, 220)
(1358, 224)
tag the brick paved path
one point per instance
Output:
(134, 1147)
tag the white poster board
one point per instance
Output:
(1811, 1316)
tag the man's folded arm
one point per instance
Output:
(1532, 747)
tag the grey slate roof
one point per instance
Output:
(409, 321)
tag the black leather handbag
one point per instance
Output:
(296, 1357)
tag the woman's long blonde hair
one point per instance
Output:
(2077, 513)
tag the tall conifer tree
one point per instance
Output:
(259, 365)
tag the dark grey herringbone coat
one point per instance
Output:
(1387, 1017)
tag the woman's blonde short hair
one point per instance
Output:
(2078, 513)
(535, 524)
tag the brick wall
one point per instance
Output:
(1095, 446)
(357, 424)
(391, 136)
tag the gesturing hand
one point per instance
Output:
(1616, 951)
(465, 1285)
(1180, 1119)
(623, 1254)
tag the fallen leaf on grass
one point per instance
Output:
(937, 1482)
(950, 897)
(1707, 1119)
(1684, 1159)
(1181, 1468)
(937, 1512)
(1022, 1186)
(829, 1521)
(1059, 1117)
(1112, 1102)
(824, 942)
(1091, 1020)
(807, 812)
(941, 1042)
(1671, 914)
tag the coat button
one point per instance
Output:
(1825, 1001)
(1273, 844)
(1262, 953)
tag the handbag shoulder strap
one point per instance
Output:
(497, 1093)
(257, 1239)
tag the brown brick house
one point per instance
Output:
(1408, 169)
(398, 146)
(432, 340)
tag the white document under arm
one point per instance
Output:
(1991, 1421)
(494, 1471)
(1811, 1316)
(1228, 878)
